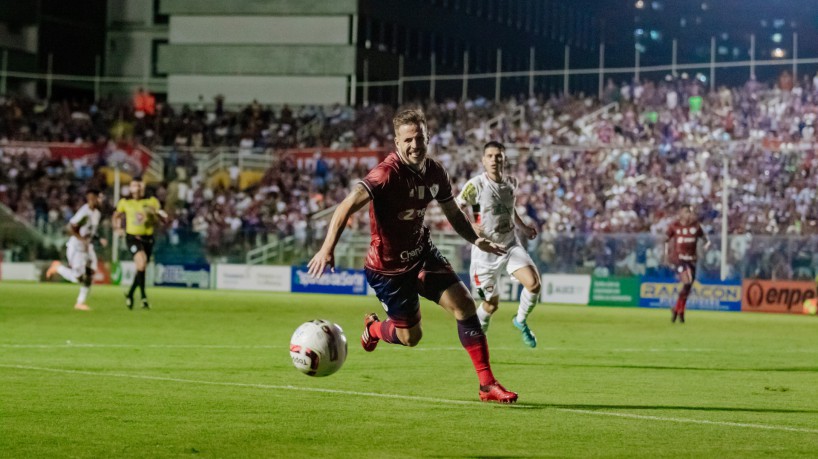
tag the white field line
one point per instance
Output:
(69, 345)
(410, 398)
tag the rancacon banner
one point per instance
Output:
(710, 295)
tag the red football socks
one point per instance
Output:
(474, 340)
(384, 331)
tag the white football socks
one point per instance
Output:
(527, 302)
(483, 316)
(83, 295)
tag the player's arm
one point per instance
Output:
(75, 231)
(704, 238)
(154, 208)
(464, 228)
(116, 219)
(530, 231)
(354, 201)
(467, 200)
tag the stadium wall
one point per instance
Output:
(273, 52)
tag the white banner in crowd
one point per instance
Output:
(566, 288)
(19, 271)
(247, 277)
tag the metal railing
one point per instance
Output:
(277, 251)
(221, 160)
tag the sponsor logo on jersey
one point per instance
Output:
(407, 255)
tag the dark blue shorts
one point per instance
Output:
(399, 293)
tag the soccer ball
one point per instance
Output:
(811, 306)
(318, 348)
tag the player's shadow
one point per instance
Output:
(602, 408)
(663, 367)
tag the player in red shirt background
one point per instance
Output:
(681, 245)
(402, 261)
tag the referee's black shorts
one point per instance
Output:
(140, 243)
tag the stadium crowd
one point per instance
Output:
(618, 165)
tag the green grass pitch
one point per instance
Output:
(208, 374)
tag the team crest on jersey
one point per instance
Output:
(434, 189)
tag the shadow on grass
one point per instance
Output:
(660, 367)
(590, 407)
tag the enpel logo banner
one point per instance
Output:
(777, 296)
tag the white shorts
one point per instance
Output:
(79, 258)
(486, 268)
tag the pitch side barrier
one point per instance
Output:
(734, 295)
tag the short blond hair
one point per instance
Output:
(411, 116)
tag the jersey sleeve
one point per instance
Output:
(120, 206)
(440, 179)
(80, 215)
(154, 203)
(376, 181)
(469, 193)
(671, 230)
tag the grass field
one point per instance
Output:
(208, 374)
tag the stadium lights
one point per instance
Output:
(778, 53)
(640, 4)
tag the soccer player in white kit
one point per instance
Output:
(82, 258)
(490, 196)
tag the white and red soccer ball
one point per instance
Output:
(318, 348)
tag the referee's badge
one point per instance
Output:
(434, 189)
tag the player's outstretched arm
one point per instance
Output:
(325, 257)
(530, 231)
(464, 228)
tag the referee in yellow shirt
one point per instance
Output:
(141, 216)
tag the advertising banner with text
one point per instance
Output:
(614, 291)
(566, 288)
(137, 157)
(252, 277)
(777, 296)
(710, 295)
(182, 275)
(345, 282)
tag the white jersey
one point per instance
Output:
(496, 207)
(87, 220)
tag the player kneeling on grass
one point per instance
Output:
(402, 261)
(82, 258)
(491, 198)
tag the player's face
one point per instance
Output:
(410, 141)
(92, 199)
(494, 160)
(686, 217)
(137, 189)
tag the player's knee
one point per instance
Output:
(491, 304)
(413, 339)
(535, 287)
